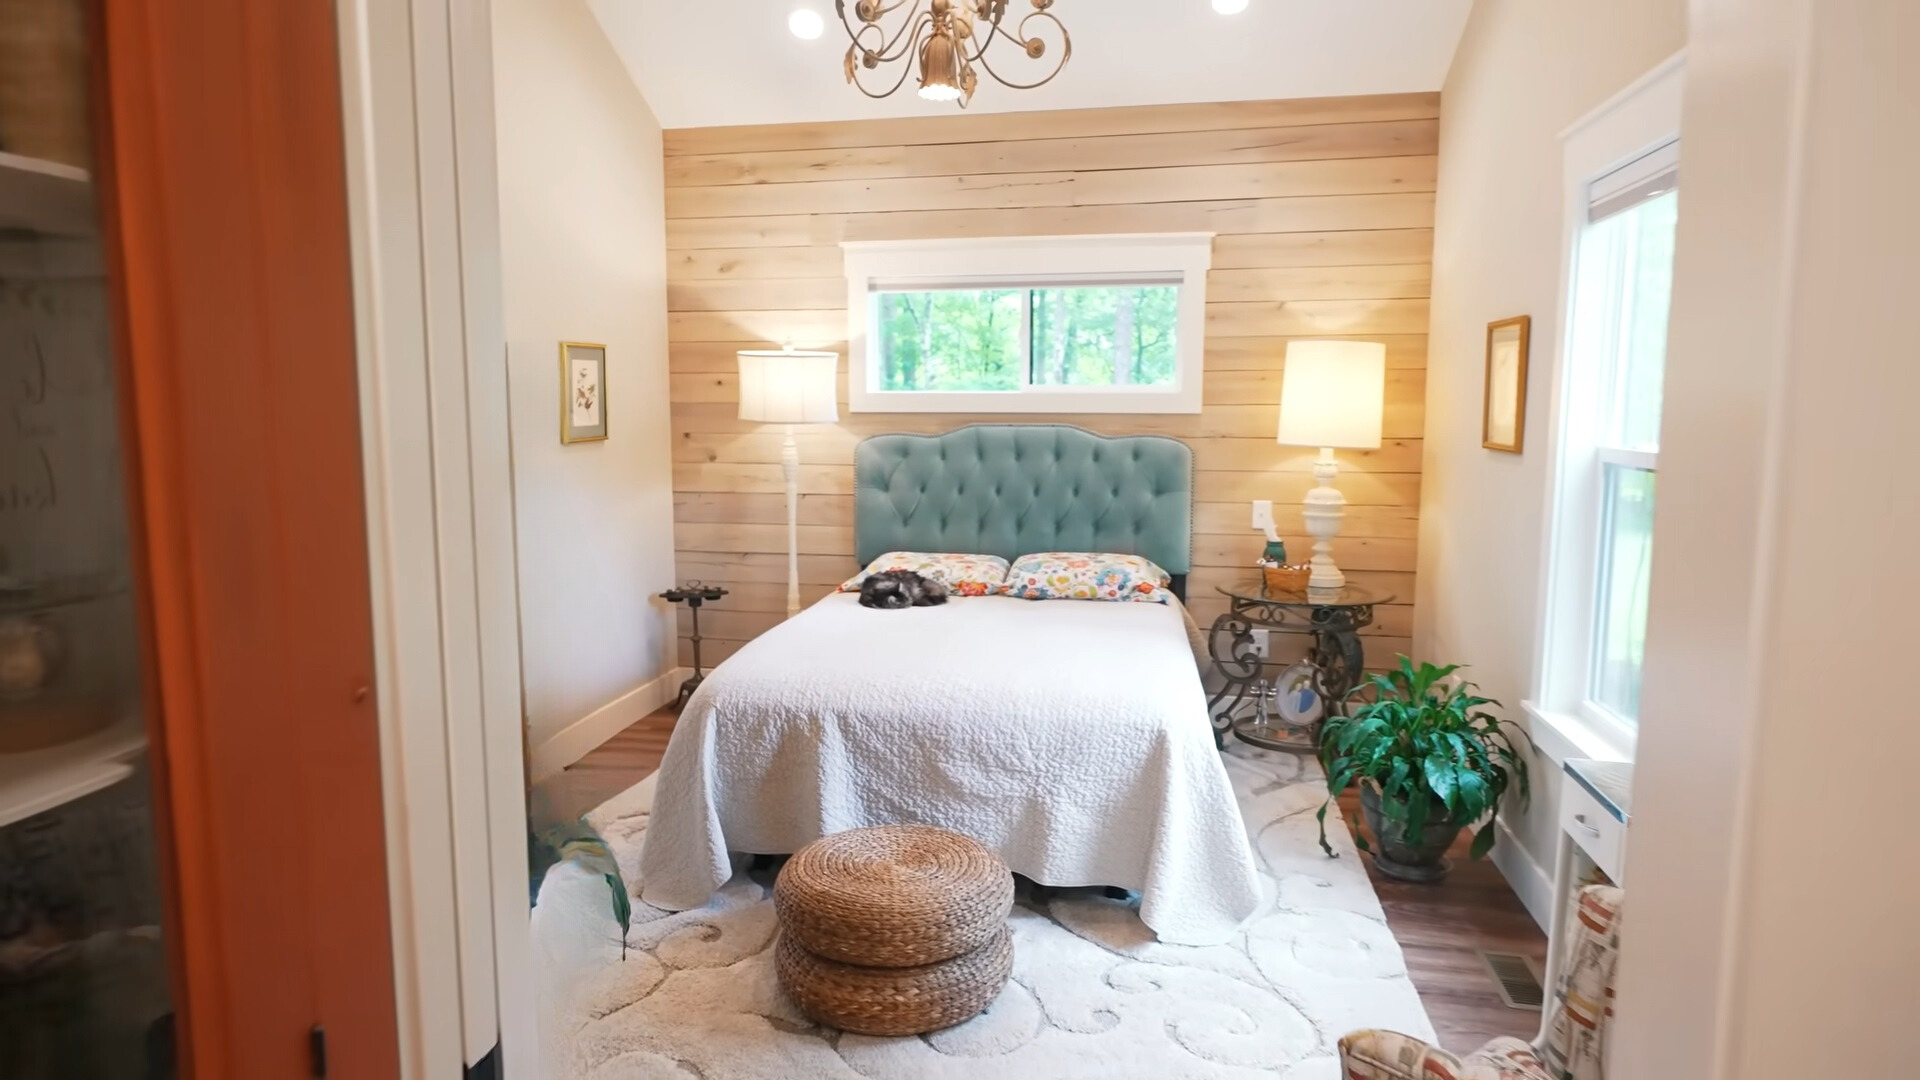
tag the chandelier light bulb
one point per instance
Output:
(807, 24)
(1229, 7)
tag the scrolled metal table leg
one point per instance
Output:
(1341, 659)
(1235, 660)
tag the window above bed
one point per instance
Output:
(1087, 324)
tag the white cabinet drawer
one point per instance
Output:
(1601, 835)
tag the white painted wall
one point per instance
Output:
(582, 219)
(1524, 72)
(1769, 929)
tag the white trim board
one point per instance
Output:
(1530, 881)
(417, 90)
(583, 736)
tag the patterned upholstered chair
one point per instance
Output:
(1576, 1046)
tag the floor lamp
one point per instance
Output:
(1332, 396)
(790, 387)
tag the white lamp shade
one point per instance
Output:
(790, 387)
(1333, 394)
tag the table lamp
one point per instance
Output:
(1331, 396)
(790, 387)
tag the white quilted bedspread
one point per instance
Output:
(1069, 736)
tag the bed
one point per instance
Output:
(1072, 737)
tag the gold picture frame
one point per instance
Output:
(1503, 423)
(583, 392)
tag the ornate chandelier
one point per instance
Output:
(948, 37)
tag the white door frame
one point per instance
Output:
(423, 187)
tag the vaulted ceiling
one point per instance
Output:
(713, 62)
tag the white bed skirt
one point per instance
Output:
(1071, 737)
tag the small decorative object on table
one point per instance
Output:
(1429, 761)
(1278, 714)
(693, 594)
(1276, 574)
(895, 930)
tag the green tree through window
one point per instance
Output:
(988, 339)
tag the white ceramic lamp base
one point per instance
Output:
(1325, 508)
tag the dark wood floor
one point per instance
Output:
(1439, 927)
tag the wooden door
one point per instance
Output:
(226, 220)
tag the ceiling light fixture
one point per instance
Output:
(947, 38)
(806, 23)
(1229, 7)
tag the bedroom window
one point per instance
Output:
(1031, 325)
(1624, 211)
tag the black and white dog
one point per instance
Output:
(901, 588)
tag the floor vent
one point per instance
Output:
(1518, 978)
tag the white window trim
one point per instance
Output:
(1641, 118)
(1189, 256)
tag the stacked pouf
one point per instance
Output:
(895, 930)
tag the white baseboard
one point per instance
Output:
(581, 737)
(1531, 883)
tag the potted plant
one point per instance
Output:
(1429, 761)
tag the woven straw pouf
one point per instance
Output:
(895, 930)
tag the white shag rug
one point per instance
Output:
(1093, 995)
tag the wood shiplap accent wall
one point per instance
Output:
(1324, 215)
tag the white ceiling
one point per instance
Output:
(712, 62)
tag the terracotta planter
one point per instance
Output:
(1421, 858)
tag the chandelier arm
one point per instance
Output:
(993, 31)
(879, 13)
(885, 54)
(1022, 38)
(905, 69)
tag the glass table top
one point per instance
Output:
(1350, 596)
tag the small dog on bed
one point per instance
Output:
(901, 588)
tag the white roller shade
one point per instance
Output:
(1646, 177)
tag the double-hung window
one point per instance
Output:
(1619, 291)
(1107, 324)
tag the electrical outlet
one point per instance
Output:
(1261, 643)
(1263, 513)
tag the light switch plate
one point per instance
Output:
(1263, 513)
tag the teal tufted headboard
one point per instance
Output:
(1012, 489)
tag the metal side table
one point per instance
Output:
(1332, 617)
(693, 594)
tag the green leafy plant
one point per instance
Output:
(1430, 746)
(577, 842)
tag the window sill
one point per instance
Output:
(1561, 736)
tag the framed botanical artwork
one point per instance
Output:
(583, 392)
(1504, 426)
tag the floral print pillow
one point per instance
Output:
(963, 575)
(1074, 575)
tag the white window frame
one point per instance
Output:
(1566, 724)
(1039, 262)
